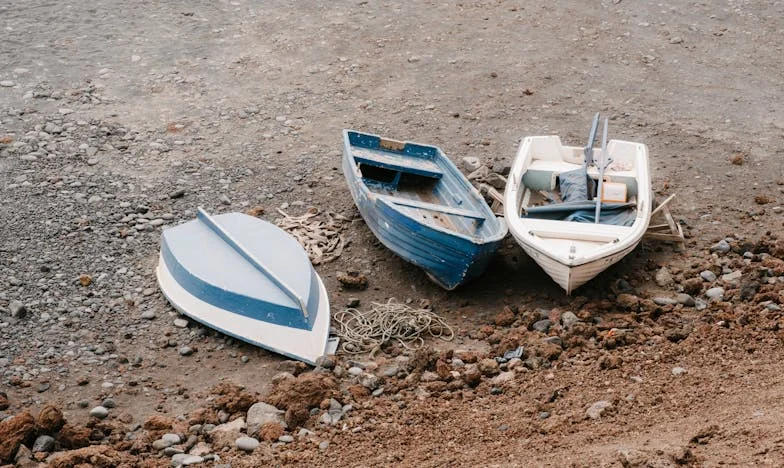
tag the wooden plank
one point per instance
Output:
(435, 207)
(397, 162)
(662, 236)
(662, 204)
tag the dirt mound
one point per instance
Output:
(306, 390)
(98, 456)
(73, 436)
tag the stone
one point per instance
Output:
(99, 412)
(148, 315)
(185, 351)
(664, 301)
(236, 425)
(496, 181)
(678, 371)
(355, 371)
(180, 323)
(471, 163)
(732, 277)
(353, 302)
(50, 419)
(596, 410)
(369, 381)
(17, 309)
(72, 436)
(13, 432)
(489, 367)
(192, 460)
(286, 439)
(263, 413)
(472, 375)
(505, 318)
(323, 445)
(708, 276)
(247, 444)
(503, 378)
(715, 294)
(664, 278)
(7, 83)
(628, 301)
(685, 299)
(721, 247)
(325, 361)
(568, 319)
(172, 439)
(542, 325)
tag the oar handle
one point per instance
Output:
(210, 222)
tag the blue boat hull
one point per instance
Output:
(450, 259)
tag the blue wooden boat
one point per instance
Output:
(246, 278)
(421, 207)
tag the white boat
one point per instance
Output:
(572, 252)
(249, 279)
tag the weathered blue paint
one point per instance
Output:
(215, 271)
(445, 227)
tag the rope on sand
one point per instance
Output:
(362, 332)
(321, 239)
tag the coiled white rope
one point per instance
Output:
(362, 332)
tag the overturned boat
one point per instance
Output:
(420, 206)
(246, 278)
(573, 215)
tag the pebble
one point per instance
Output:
(544, 414)
(180, 323)
(715, 294)
(663, 301)
(286, 439)
(225, 199)
(677, 371)
(471, 163)
(664, 278)
(353, 302)
(685, 299)
(248, 444)
(731, 277)
(17, 309)
(171, 438)
(355, 371)
(171, 451)
(148, 315)
(109, 403)
(568, 319)
(323, 445)
(708, 276)
(325, 361)
(721, 247)
(99, 412)
(542, 325)
(179, 193)
(7, 83)
(43, 443)
(186, 351)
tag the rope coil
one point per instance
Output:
(368, 331)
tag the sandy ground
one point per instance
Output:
(260, 92)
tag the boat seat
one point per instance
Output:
(437, 208)
(543, 175)
(555, 229)
(396, 162)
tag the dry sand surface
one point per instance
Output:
(118, 119)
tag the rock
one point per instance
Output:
(180, 323)
(715, 294)
(323, 445)
(542, 325)
(488, 367)
(185, 459)
(664, 278)
(72, 436)
(296, 416)
(678, 371)
(7, 83)
(185, 351)
(708, 276)
(233, 398)
(692, 286)
(270, 431)
(158, 422)
(225, 199)
(17, 309)
(732, 277)
(262, 413)
(663, 301)
(355, 371)
(370, 381)
(471, 163)
(505, 317)
(628, 301)
(325, 361)
(596, 410)
(472, 375)
(148, 315)
(496, 181)
(99, 412)
(179, 193)
(236, 425)
(721, 247)
(685, 299)
(50, 419)
(171, 439)
(200, 449)
(352, 302)
(503, 378)
(353, 280)
(568, 319)
(308, 389)
(14, 432)
(286, 439)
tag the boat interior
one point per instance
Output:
(549, 166)
(418, 182)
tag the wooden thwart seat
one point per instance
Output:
(435, 207)
(398, 162)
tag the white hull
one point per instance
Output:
(573, 253)
(305, 345)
